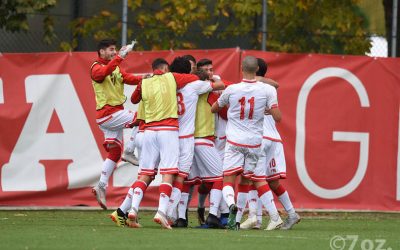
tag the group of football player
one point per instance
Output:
(193, 128)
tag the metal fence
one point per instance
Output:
(32, 41)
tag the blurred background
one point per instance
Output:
(351, 27)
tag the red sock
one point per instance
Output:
(166, 189)
(263, 189)
(186, 188)
(140, 184)
(279, 190)
(217, 185)
(243, 188)
(178, 185)
(114, 154)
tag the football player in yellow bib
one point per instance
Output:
(108, 81)
(161, 144)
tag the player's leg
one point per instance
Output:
(183, 206)
(259, 173)
(264, 192)
(188, 187)
(112, 129)
(276, 171)
(114, 153)
(129, 152)
(232, 166)
(252, 198)
(203, 190)
(267, 199)
(169, 156)
(215, 200)
(223, 211)
(220, 143)
(241, 199)
(138, 190)
(283, 196)
(186, 154)
(210, 167)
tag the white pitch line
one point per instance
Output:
(279, 237)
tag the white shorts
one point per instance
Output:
(207, 165)
(239, 159)
(139, 145)
(272, 164)
(161, 149)
(276, 164)
(220, 143)
(113, 125)
(186, 154)
(139, 142)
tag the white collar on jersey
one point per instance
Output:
(249, 81)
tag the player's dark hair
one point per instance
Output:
(105, 43)
(262, 67)
(190, 58)
(158, 63)
(203, 62)
(180, 65)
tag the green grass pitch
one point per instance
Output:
(60, 229)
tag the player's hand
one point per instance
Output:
(126, 49)
(147, 76)
(268, 81)
(123, 52)
(216, 77)
(201, 74)
(266, 112)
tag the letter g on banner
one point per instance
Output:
(1, 92)
(362, 138)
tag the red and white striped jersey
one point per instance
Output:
(247, 102)
(187, 102)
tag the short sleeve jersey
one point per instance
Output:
(187, 102)
(247, 102)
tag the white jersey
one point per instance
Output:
(247, 101)
(187, 103)
(220, 126)
(270, 131)
(220, 123)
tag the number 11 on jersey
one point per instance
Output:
(242, 102)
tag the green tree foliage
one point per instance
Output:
(293, 25)
(14, 13)
(301, 26)
(173, 24)
(318, 26)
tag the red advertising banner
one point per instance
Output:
(340, 128)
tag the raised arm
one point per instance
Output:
(98, 71)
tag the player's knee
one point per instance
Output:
(204, 188)
(274, 184)
(114, 153)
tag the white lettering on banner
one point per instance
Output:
(1, 92)
(398, 162)
(49, 93)
(362, 138)
(126, 173)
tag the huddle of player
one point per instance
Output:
(194, 128)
